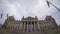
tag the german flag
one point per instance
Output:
(48, 3)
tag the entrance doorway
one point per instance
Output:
(29, 27)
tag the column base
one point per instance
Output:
(23, 30)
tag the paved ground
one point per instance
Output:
(52, 31)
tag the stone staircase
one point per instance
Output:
(4, 31)
(30, 33)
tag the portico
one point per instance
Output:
(30, 26)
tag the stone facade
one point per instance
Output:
(30, 23)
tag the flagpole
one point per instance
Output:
(55, 6)
(52, 5)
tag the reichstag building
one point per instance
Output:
(29, 24)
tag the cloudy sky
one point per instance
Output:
(20, 8)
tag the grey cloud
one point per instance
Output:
(38, 8)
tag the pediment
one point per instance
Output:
(29, 18)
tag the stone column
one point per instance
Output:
(31, 25)
(34, 26)
(21, 26)
(38, 26)
(24, 26)
(27, 26)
